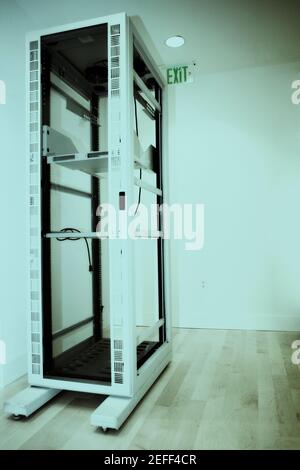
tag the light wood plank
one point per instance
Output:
(223, 390)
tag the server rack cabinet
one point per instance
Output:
(124, 362)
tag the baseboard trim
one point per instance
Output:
(256, 323)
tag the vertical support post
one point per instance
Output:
(96, 244)
(160, 242)
(46, 220)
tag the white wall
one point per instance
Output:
(1, 365)
(236, 148)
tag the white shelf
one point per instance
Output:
(74, 235)
(96, 163)
(138, 235)
(148, 187)
(93, 163)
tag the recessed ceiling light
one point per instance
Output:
(175, 41)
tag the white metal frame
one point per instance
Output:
(126, 380)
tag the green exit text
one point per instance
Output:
(177, 74)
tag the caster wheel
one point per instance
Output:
(17, 417)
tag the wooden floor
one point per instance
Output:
(223, 390)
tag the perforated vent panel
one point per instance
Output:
(34, 207)
(115, 156)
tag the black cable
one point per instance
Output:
(74, 230)
(141, 174)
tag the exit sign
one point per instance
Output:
(179, 74)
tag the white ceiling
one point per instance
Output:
(220, 34)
